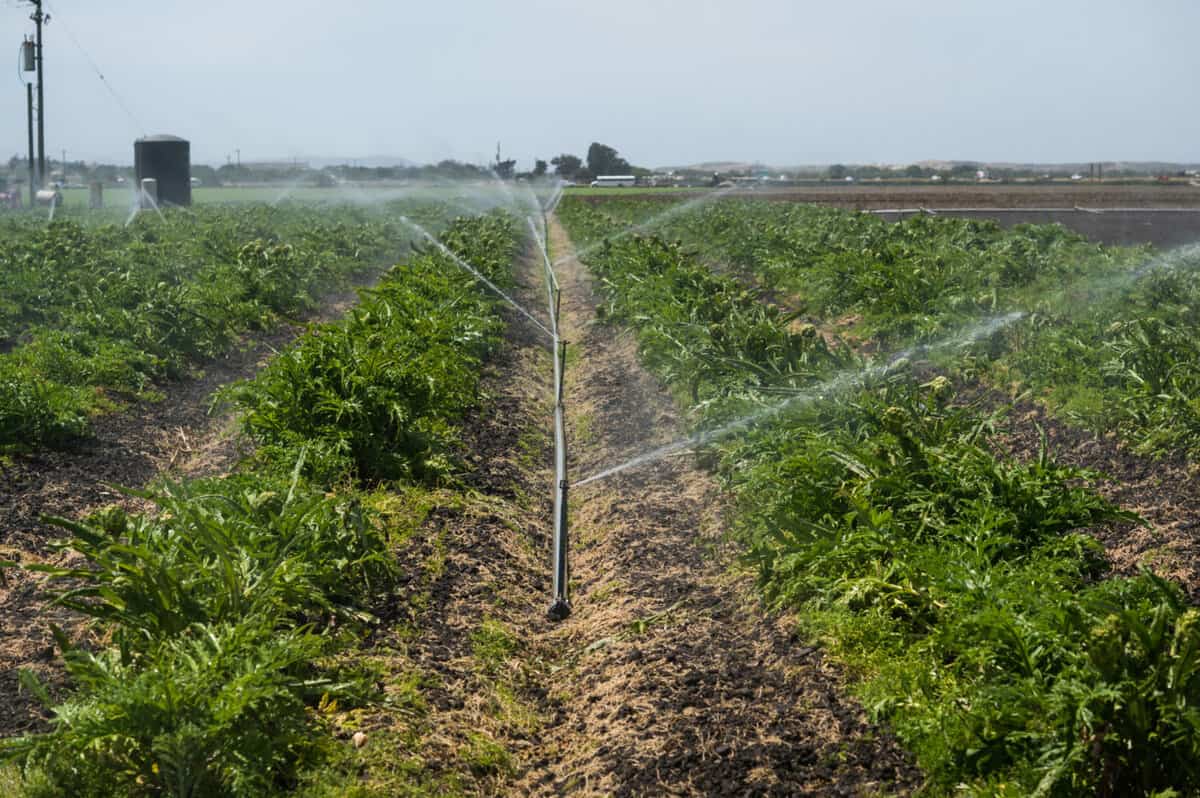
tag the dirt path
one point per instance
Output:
(174, 437)
(674, 682)
(461, 639)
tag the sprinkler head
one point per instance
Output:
(559, 610)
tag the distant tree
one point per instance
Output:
(206, 175)
(914, 171)
(567, 166)
(837, 172)
(505, 169)
(604, 160)
(539, 168)
(233, 173)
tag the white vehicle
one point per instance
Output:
(614, 180)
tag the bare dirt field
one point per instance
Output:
(867, 196)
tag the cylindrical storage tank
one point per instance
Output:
(168, 160)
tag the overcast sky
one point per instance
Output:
(664, 81)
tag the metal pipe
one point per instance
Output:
(38, 18)
(29, 110)
(562, 370)
(557, 300)
(560, 607)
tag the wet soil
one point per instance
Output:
(674, 679)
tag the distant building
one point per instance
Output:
(614, 181)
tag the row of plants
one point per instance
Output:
(92, 316)
(1112, 337)
(225, 614)
(375, 395)
(955, 583)
(903, 281)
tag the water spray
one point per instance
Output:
(826, 390)
(658, 218)
(479, 276)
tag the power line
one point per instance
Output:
(75, 40)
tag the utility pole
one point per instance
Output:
(32, 173)
(38, 19)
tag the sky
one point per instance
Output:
(665, 82)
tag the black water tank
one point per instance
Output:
(168, 159)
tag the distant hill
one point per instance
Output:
(371, 161)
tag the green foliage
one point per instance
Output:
(1112, 337)
(1123, 356)
(909, 280)
(703, 331)
(223, 609)
(119, 309)
(952, 580)
(222, 550)
(218, 710)
(375, 395)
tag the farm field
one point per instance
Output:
(882, 496)
(220, 597)
(118, 199)
(856, 507)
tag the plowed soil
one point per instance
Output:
(868, 196)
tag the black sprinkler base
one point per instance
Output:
(559, 610)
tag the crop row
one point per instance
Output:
(954, 582)
(1111, 340)
(224, 611)
(90, 316)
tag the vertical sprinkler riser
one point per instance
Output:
(561, 606)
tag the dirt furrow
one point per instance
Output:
(674, 681)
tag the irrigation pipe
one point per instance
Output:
(560, 605)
